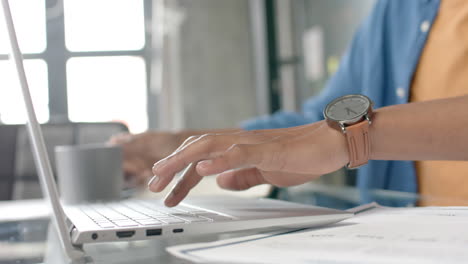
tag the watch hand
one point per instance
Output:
(349, 110)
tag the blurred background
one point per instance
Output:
(168, 65)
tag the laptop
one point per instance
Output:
(128, 220)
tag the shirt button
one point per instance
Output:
(425, 25)
(400, 92)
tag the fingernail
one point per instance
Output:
(152, 183)
(168, 199)
(206, 163)
(159, 164)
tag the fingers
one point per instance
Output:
(120, 138)
(186, 142)
(236, 156)
(189, 179)
(197, 148)
(158, 183)
(206, 147)
(244, 179)
(215, 154)
(267, 157)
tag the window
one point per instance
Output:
(12, 110)
(112, 89)
(94, 68)
(30, 23)
(104, 25)
(29, 16)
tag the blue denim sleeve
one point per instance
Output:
(347, 80)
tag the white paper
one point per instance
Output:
(380, 235)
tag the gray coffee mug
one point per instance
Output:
(89, 173)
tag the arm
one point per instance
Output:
(184, 134)
(433, 130)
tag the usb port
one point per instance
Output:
(124, 234)
(178, 230)
(154, 232)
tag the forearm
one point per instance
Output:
(184, 134)
(432, 130)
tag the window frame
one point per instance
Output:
(56, 56)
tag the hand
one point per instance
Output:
(140, 151)
(282, 157)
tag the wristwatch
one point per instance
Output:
(352, 115)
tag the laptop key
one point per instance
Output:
(124, 210)
(141, 218)
(156, 214)
(92, 214)
(105, 225)
(191, 218)
(125, 223)
(159, 208)
(146, 211)
(150, 222)
(191, 210)
(102, 221)
(119, 218)
(215, 217)
(171, 220)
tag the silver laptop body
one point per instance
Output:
(149, 219)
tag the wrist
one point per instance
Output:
(340, 147)
(374, 135)
(352, 114)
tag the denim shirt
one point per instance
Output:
(380, 63)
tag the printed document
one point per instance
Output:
(375, 235)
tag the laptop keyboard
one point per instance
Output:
(144, 213)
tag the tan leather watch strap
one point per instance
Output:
(357, 136)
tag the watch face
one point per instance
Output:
(347, 108)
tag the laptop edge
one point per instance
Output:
(41, 158)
